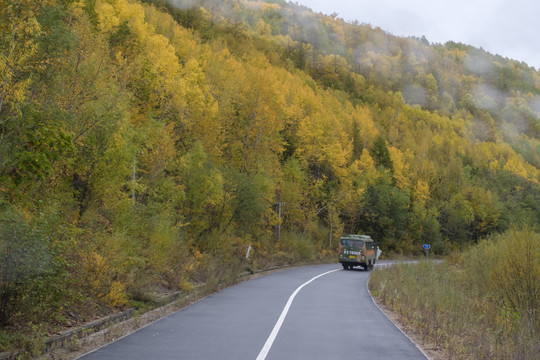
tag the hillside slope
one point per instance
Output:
(148, 143)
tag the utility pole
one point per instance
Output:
(133, 182)
(279, 220)
(331, 231)
(279, 204)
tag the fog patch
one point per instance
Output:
(414, 94)
(486, 97)
(514, 123)
(417, 52)
(224, 8)
(534, 105)
(478, 65)
(510, 130)
(184, 4)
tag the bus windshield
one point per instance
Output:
(350, 242)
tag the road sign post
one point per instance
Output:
(426, 248)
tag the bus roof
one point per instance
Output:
(357, 237)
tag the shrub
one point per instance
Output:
(26, 264)
(297, 247)
(506, 270)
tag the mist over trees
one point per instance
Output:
(149, 143)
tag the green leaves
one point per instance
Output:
(380, 154)
(40, 141)
(203, 185)
(385, 212)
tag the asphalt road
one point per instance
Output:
(314, 312)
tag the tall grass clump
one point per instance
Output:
(480, 304)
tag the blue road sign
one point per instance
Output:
(427, 246)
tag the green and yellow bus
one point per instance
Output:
(357, 250)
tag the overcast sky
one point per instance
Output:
(510, 28)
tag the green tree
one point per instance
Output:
(203, 185)
(358, 144)
(385, 212)
(250, 199)
(380, 154)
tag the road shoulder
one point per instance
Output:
(429, 349)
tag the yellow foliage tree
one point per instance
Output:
(401, 168)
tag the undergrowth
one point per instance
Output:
(480, 304)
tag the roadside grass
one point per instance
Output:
(480, 304)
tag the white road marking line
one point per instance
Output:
(277, 327)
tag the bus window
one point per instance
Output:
(353, 243)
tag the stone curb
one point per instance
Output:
(77, 333)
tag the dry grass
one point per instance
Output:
(482, 304)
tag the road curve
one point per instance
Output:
(325, 314)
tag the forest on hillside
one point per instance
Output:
(145, 145)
